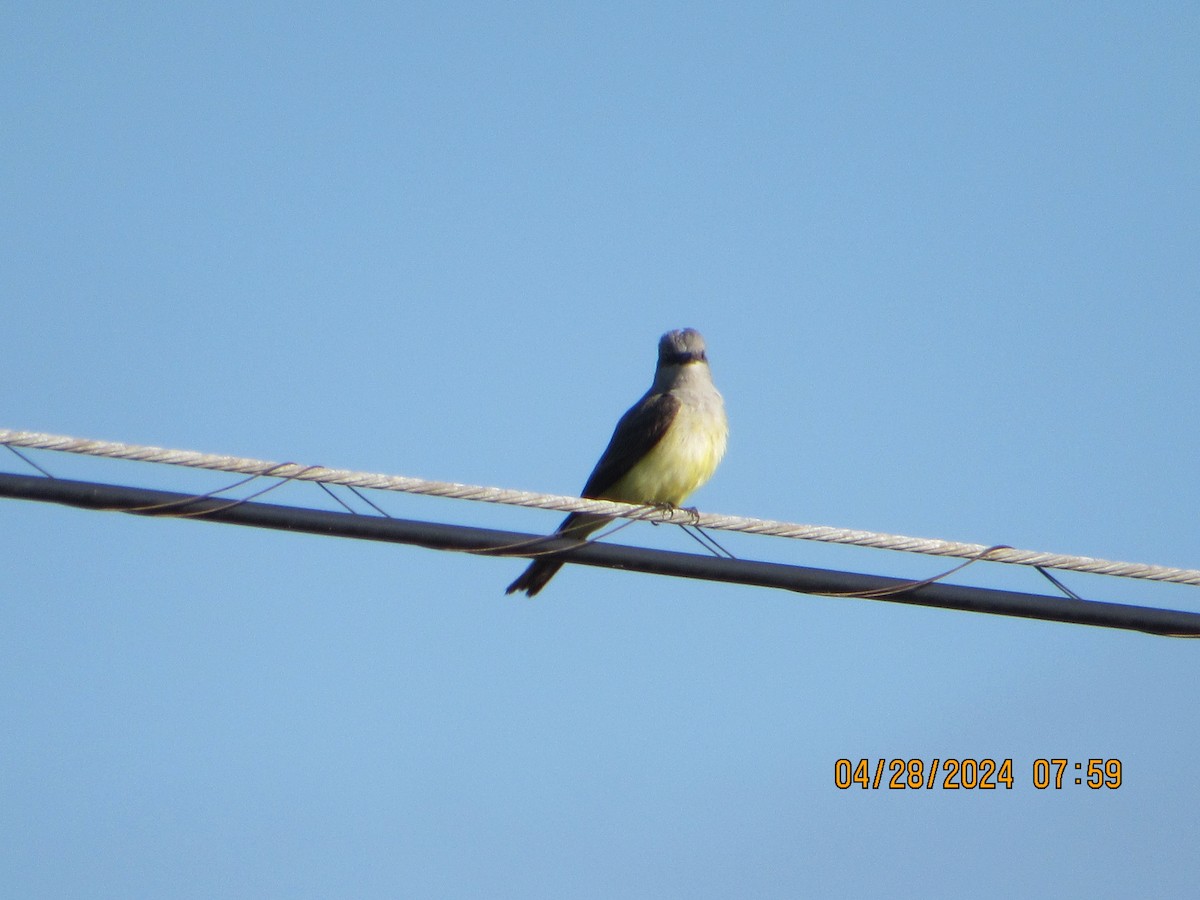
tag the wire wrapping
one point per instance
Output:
(467, 539)
(743, 524)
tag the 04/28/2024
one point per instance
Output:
(973, 774)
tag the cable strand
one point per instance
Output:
(746, 525)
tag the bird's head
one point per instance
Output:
(680, 347)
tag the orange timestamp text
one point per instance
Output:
(983, 774)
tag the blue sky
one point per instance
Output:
(945, 259)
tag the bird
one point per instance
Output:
(664, 447)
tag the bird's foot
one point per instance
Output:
(670, 510)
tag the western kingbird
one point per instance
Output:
(664, 447)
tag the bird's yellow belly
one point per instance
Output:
(684, 459)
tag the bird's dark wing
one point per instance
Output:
(636, 434)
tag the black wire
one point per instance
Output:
(1058, 584)
(91, 495)
(22, 456)
(706, 540)
(365, 499)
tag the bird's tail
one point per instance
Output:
(534, 578)
(540, 571)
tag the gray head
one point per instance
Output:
(677, 348)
